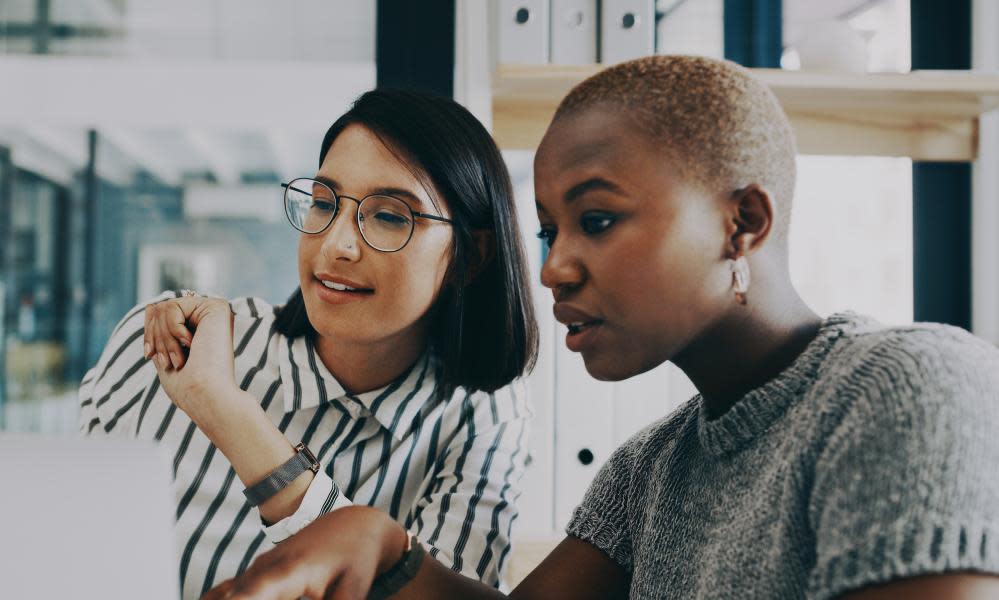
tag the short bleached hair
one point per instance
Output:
(717, 124)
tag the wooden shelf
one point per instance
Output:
(926, 115)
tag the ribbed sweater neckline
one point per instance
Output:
(760, 408)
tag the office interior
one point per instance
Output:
(143, 143)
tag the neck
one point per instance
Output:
(365, 366)
(749, 346)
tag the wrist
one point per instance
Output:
(395, 540)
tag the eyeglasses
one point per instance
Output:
(386, 223)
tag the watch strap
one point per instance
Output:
(400, 573)
(278, 479)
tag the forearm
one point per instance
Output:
(254, 447)
(434, 580)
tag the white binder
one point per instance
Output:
(574, 32)
(584, 429)
(523, 31)
(627, 30)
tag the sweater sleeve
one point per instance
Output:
(908, 482)
(602, 518)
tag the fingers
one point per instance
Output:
(147, 337)
(197, 308)
(348, 587)
(173, 329)
(280, 574)
(278, 582)
(219, 592)
(166, 334)
(159, 346)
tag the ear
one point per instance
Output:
(485, 242)
(751, 219)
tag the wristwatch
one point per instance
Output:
(278, 479)
(401, 573)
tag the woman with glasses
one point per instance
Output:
(388, 379)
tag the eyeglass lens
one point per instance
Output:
(386, 223)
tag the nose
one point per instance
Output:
(342, 239)
(562, 269)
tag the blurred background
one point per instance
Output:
(142, 144)
(141, 147)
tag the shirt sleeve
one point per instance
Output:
(322, 497)
(121, 380)
(465, 519)
(908, 480)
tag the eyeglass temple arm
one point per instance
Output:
(290, 187)
(432, 217)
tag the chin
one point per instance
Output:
(343, 332)
(617, 366)
(604, 368)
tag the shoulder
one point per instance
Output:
(919, 395)
(477, 418)
(253, 319)
(906, 378)
(887, 356)
(122, 370)
(908, 444)
(487, 410)
(253, 308)
(125, 343)
(930, 365)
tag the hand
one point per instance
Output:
(202, 383)
(206, 375)
(337, 556)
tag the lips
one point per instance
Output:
(583, 327)
(574, 317)
(335, 290)
(343, 284)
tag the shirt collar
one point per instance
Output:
(307, 383)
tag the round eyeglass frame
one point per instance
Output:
(357, 217)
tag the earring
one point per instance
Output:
(740, 278)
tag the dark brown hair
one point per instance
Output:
(483, 333)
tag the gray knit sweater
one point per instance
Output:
(874, 456)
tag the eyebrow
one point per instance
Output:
(590, 185)
(381, 191)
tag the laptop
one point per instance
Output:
(85, 518)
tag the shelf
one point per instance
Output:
(925, 115)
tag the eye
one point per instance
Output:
(547, 235)
(323, 205)
(595, 223)
(392, 219)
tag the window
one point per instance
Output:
(150, 141)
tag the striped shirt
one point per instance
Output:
(448, 471)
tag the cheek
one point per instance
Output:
(307, 248)
(413, 281)
(662, 288)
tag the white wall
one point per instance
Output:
(985, 185)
